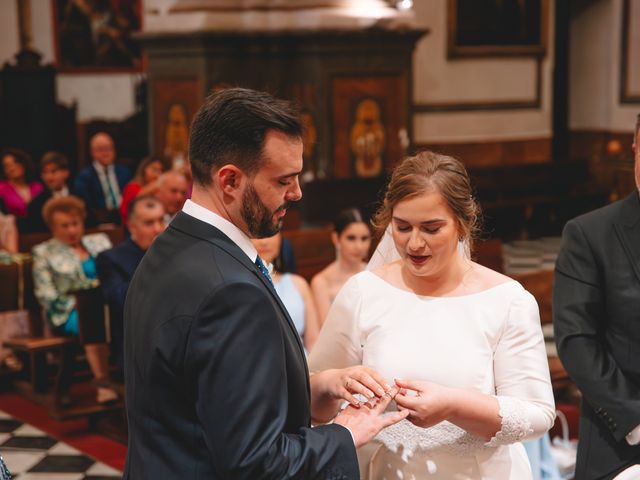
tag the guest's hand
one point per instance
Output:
(344, 383)
(365, 422)
(431, 403)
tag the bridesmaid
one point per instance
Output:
(352, 239)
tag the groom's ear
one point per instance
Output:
(230, 179)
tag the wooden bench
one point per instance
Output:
(540, 284)
(36, 347)
(36, 350)
(488, 253)
(313, 249)
(27, 241)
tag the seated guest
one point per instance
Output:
(65, 263)
(145, 182)
(100, 184)
(54, 172)
(16, 186)
(117, 265)
(172, 192)
(292, 289)
(351, 238)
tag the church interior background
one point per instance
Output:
(538, 98)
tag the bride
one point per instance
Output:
(462, 342)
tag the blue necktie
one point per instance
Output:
(111, 192)
(263, 269)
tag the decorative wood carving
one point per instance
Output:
(368, 121)
(175, 101)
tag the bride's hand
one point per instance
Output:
(431, 403)
(344, 383)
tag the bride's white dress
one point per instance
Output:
(490, 342)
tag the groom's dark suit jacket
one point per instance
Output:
(217, 385)
(596, 316)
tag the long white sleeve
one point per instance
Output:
(521, 371)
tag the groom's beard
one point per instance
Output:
(258, 217)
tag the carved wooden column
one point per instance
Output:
(347, 62)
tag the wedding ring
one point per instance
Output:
(347, 384)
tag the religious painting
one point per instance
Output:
(367, 138)
(629, 65)
(497, 27)
(175, 102)
(369, 118)
(97, 35)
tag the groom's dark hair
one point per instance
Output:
(231, 126)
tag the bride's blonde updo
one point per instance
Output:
(427, 172)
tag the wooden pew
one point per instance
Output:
(313, 249)
(27, 241)
(540, 284)
(36, 347)
(488, 253)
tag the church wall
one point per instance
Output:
(595, 70)
(463, 102)
(601, 124)
(108, 96)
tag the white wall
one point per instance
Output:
(105, 96)
(594, 70)
(440, 80)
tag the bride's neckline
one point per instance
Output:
(468, 295)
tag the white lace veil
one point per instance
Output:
(386, 251)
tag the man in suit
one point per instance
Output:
(100, 184)
(117, 265)
(596, 315)
(216, 379)
(54, 172)
(172, 192)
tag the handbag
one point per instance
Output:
(564, 450)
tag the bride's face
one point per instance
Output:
(425, 232)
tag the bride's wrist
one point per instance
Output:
(455, 403)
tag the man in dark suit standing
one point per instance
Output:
(100, 184)
(217, 384)
(117, 265)
(596, 315)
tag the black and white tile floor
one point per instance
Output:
(523, 256)
(30, 454)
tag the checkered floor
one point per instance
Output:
(31, 454)
(523, 256)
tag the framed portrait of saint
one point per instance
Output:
(487, 28)
(368, 118)
(97, 35)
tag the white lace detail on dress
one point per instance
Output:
(405, 438)
(515, 424)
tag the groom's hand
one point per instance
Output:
(365, 422)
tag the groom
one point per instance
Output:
(216, 378)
